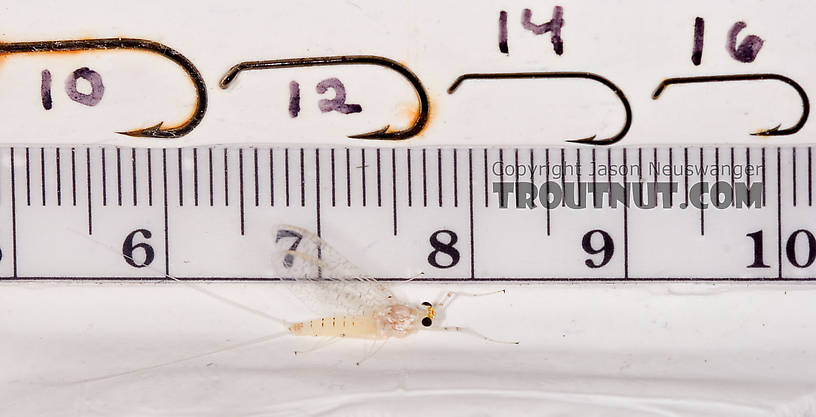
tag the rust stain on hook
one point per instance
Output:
(774, 131)
(104, 44)
(581, 75)
(422, 115)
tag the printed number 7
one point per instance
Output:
(289, 260)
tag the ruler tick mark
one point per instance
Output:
(486, 180)
(793, 174)
(516, 178)
(73, 176)
(470, 203)
(732, 176)
(302, 181)
(502, 203)
(166, 240)
(424, 180)
(671, 179)
(439, 173)
(211, 175)
(764, 199)
(686, 175)
(104, 179)
(363, 173)
(195, 177)
(348, 177)
(14, 213)
(547, 185)
(134, 176)
(272, 177)
(810, 178)
(455, 179)
(255, 165)
(118, 176)
(379, 180)
(626, 216)
(594, 179)
(317, 199)
(778, 207)
(563, 177)
(333, 184)
(702, 206)
(59, 177)
(578, 177)
(42, 175)
(226, 177)
(394, 186)
(88, 184)
(410, 191)
(241, 185)
(150, 177)
(28, 177)
(716, 173)
(180, 178)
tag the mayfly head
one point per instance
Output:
(429, 314)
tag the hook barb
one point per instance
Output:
(104, 44)
(383, 133)
(580, 75)
(774, 131)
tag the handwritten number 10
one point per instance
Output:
(90, 99)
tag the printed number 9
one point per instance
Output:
(608, 248)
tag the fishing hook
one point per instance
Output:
(155, 131)
(422, 96)
(586, 75)
(774, 131)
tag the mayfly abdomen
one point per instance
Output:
(341, 326)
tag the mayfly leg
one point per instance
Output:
(373, 351)
(448, 297)
(319, 345)
(472, 332)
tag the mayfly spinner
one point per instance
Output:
(364, 307)
(368, 308)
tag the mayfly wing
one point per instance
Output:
(326, 279)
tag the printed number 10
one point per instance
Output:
(790, 249)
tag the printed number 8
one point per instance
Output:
(446, 248)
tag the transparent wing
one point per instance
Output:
(325, 279)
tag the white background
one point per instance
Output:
(644, 349)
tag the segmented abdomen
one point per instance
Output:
(342, 326)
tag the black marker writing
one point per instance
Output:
(554, 26)
(97, 88)
(338, 103)
(45, 89)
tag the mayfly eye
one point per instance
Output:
(427, 322)
(426, 304)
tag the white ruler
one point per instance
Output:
(210, 213)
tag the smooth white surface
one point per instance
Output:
(627, 350)
(613, 350)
